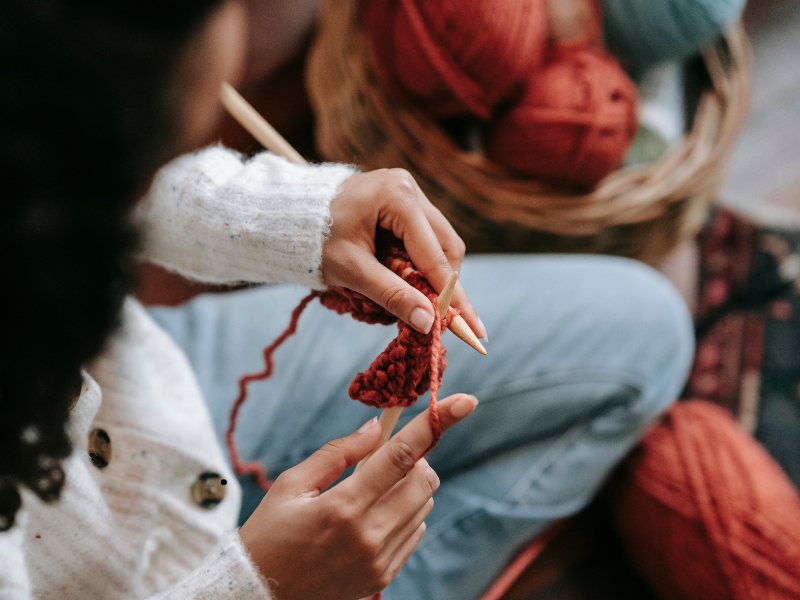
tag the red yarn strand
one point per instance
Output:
(255, 468)
(410, 365)
(436, 347)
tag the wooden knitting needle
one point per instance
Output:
(389, 416)
(458, 325)
(248, 117)
(241, 110)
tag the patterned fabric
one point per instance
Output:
(748, 351)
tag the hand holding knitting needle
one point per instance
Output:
(351, 541)
(389, 199)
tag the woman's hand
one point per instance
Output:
(351, 541)
(390, 199)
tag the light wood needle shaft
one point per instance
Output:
(458, 325)
(248, 117)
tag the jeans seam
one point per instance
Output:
(554, 378)
(550, 456)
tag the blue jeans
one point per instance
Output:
(584, 352)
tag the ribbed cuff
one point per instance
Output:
(226, 573)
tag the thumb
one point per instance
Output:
(394, 294)
(320, 470)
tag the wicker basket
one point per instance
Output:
(639, 212)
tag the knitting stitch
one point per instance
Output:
(412, 363)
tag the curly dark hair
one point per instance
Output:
(86, 116)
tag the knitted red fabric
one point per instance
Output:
(456, 57)
(706, 513)
(412, 364)
(575, 122)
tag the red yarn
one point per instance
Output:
(706, 513)
(456, 57)
(575, 122)
(412, 364)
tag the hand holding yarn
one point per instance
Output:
(412, 364)
(351, 541)
(389, 201)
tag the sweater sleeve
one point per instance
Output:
(226, 573)
(213, 216)
(14, 581)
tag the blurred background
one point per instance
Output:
(764, 177)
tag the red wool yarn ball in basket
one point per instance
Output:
(575, 123)
(705, 512)
(456, 57)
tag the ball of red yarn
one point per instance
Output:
(575, 122)
(705, 512)
(456, 57)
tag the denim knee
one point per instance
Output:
(653, 317)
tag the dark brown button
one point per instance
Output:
(99, 448)
(209, 489)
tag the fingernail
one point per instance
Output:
(421, 320)
(464, 406)
(485, 337)
(365, 427)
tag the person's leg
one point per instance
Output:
(584, 352)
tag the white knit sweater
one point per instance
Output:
(132, 529)
(213, 218)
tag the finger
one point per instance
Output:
(398, 538)
(408, 496)
(390, 291)
(453, 248)
(451, 243)
(326, 465)
(391, 463)
(405, 552)
(409, 223)
(404, 215)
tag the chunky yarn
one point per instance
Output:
(643, 33)
(411, 365)
(575, 122)
(456, 57)
(706, 513)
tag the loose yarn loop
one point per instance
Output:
(706, 513)
(411, 364)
